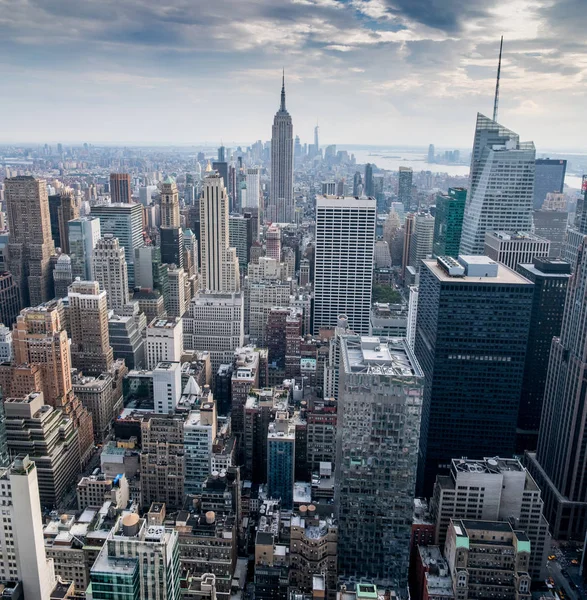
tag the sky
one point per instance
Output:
(387, 72)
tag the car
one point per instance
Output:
(574, 561)
(552, 557)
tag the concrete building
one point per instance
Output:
(343, 263)
(6, 350)
(109, 268)
(84, 234)
(169, 204)
(91, 352)
(68, 210)
(9, 299)
(180, 292)
(552, 226)
(167, 386)
(404, 192)
(241, 238)
(389, 320)
(260, 298)
(378, 428)
(22, 551)
(412, 316)
(493, 489)
(273, 243)
(94, 490)
(126, 339)
(199, 434)
(62, 276)
(488, 559)
(30, 245)
(422, 241)
(513, 248)
(164, 341)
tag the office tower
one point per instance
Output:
(408, 236)
(448, 222)
(62, 276)
(137, 561)
(316, 141)
(477, 567)
(357, 184)
(179, 295)
(281, 439)
(486, 339)
(150, 272)
(241, 238)
(169, 204)
(422, 240)
(253, 188)
(109, 269)
(164, 341)
(125, 222)
(54, 202)
(343, 263)
(329, 188)
(515, 247)
(222, 154)
(9, 299)
(30, 245)
(146, 193)
(431, 154)
(550, 177)
(368, 184)
(120, 190)
(404, 187)
(68, 210)
(273, 243)
(88, 327)
(560, 462)
(199, 432)
(84, 234)
(412, 316)
(21, 546)
(552, 226)
(260, 297)
(379, 410)
(126, 338)
(50, 440)
(4, 455)
(215, 323)
(281, 200)
(221, 167)
(501, 183)
(497, 490)
(167, 386)
(162, 460)
(220, 271)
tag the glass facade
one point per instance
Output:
(448, 222)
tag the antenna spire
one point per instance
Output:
(496, 101)
(282, 108)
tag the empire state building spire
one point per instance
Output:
(282, 107)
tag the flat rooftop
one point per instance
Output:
(345, 202)
(165, 323)
(505, 275)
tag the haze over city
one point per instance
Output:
(369, 71)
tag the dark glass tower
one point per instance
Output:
(471, 337)
(404, 187)
(368, 189)
(550, 278)
(549, 177)
(448, 222)
(172, 246)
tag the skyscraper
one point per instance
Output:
(357, 184)
(448, 222)
(253, 188)
(378, 426)
(169, 204)
(560, 463)
(281, 200)
(220, 272)
(30, 245)
(471, 336)
(368, 185)
(550, 177)
(404, 187)
(109, 269)
(343, 264)
(68, 209)
(422, 239)
(84, 234)
(88, 327)
(501, 183)
(120, 190)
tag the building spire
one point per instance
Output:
(496, 101)
(282, 107)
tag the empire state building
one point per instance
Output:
(281, 201)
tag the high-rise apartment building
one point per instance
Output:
(514, 247)
(273, 243)
(471, 337)
(492, 489)
(550, 177)
(169, 204)
(404, 187)
(30, 245)
(560, 463)
(422, 240)
(109, 268)
(448, 222)
(164, 341)
(550, 278)
(120, 189)
(379, 410)
(84, 234)
(501, 184)
(343, 263)
(22, 548)
(125, 222)
(219, 262)
(91, 352)
(281, 199)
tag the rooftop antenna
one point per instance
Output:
(496, 101)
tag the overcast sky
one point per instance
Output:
(370, 71)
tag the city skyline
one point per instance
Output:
(406, 71)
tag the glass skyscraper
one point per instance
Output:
(448, 222)
(550, 177)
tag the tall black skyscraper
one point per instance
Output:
(471, 336)
(560, 463)
(357, 184)
(404, 187)
(368, 185)
(550, 177)
(221, 167)
(550, 278)
(222, 156)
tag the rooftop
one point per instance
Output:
(504, 274)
